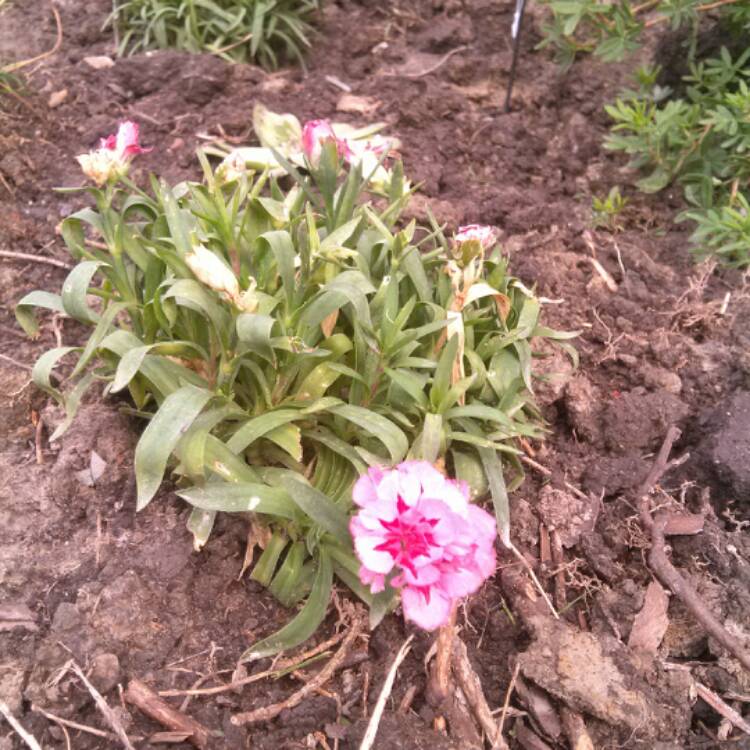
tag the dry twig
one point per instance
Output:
(103, 706)
(29, 257)
(372, 727)
(72, 724)
(58, 42)
(266, 713)
(19, 730)
(663, 568)
(718, 705)
(500, 743)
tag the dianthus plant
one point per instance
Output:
(284, 335)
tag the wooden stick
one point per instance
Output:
(19, 730)
(440, 674)
(145, 699)
(266, 713)
(35, 259)
(468, 681)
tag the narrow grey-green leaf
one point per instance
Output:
(383, 429)
(306, 622)
(24, 315)
(241, 497)
(75, 290)
(161, 436)
(257, 427)
(317, 506)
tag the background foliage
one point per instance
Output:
(695, 133)
(262, 31)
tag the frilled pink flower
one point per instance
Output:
(315, 134)
(483, 234)
(112, 158)
(418, 530)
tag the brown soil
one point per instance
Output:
(82, 576)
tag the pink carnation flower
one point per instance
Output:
(418, 529)
(314, 135)
(112, 158)
(484, 234)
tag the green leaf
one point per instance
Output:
(255, 331)
(258, 426)
(75, 290)
(199, 524)
(283, 251)
(319, 507)
(24, 314)
(287, 579)
(383, 429)
(42, 370)
(441, 381)
(71, 403)
(161, 436)
(103, 327)
(306, 622)
(493, 469)
(241, 497)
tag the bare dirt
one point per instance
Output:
(83, 577)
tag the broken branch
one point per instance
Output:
(145, 699)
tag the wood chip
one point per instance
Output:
(357, 105)
(99, 62)
(57, 98)
(17, 617)
(540, 707)
(651, 622)
(679, 524)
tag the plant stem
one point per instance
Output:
(700, 9)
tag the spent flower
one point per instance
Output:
(112, 159)
(416, 529)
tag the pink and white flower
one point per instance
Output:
(112, 158)
(485, 235)
(315, 134)
(417, 529)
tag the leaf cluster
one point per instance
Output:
(263, 31)
(335, 359)
(701, 141)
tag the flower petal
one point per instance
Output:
(427, 614)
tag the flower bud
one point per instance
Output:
(478, 232)
(210, 270)
(112, 159)
(315, 134)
